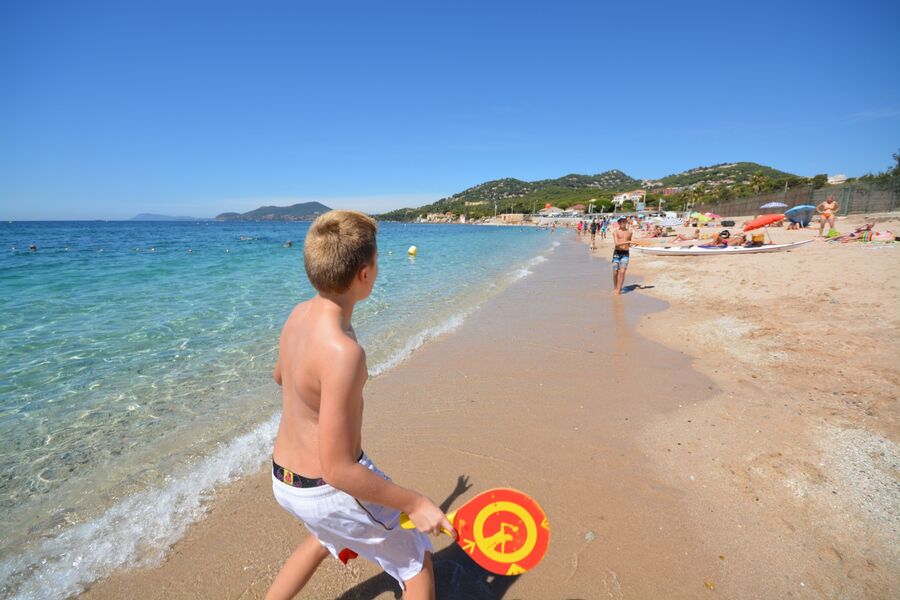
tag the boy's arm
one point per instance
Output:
(340, 423)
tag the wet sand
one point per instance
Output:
(693, 451)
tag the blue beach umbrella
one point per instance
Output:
(801, 214)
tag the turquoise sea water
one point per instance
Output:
(137, 362)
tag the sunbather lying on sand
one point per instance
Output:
(718, 240)
(738, 240)
(723, 240)
(685, 238)
(654, 232)
(858, 234)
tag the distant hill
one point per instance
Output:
(523, 196)
(727, 173)
(153, 217)
(515, 195)
(305, 211)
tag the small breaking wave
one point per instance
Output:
(525, 271)
(418, 340)
(139, 530)
(136, 532)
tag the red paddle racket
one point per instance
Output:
(505, 531)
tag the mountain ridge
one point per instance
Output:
(302, 211)
(156, 217)
(515, 195)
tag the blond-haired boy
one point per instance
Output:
(320, 473)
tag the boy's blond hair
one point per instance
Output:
(337, 245)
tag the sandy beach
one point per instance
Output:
(728, 429)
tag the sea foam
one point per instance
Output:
(137, 531)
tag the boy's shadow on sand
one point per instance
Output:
(456, 575)
(634, 286)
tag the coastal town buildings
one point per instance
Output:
(438, 217)
(673, 190)
(512, 218)
(633, 196)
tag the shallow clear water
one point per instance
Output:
(135, 354)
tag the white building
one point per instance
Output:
(633, 196)
(837, 179)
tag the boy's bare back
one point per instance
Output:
(322, 370)
(314, 346)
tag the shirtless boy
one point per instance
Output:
(320, 473)
(623, 243)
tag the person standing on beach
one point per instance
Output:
(593, 232)
(349, 506)
(827, 210)
(603, 226)
(623, 243)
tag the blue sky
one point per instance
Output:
(194, 108)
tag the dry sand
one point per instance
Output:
(793, 465)
(739, 444)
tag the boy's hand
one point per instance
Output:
(429, 518)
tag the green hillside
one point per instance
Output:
(701, 185)
(305, 211)
(516, 195)
(728, 173)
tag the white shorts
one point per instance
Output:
(339, 521)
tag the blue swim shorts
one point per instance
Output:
(619, 262)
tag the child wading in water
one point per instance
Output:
(320, 473)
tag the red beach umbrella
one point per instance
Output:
(762, 221)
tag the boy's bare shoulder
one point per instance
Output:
(341, 350)
(295, 319)
(333, 346)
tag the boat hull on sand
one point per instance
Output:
(695, 251)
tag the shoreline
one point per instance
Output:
(699, 477)
(127, 518)
(525, 417)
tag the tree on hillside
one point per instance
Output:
(819, 181)
(692, 197)
(724, 193)
(758, 182)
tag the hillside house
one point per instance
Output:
(633, 196)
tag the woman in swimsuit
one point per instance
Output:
(718, 240)
(684, 238)
(827, 210)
